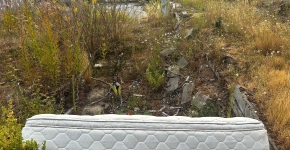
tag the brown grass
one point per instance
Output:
(258, 31)
(268, 39)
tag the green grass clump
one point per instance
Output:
(154, 73)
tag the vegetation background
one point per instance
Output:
(48, 51)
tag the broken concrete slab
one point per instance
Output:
(242, 107)
(172, 84)
(173, 75)
(182, 62)
(199, 100)
(187, 90)
(166, 52)
(173, 71)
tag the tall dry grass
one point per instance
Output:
(265, 40)
(273, 96)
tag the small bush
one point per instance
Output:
(10, 132)
(9, 22)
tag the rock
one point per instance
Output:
(96, 109)
(173, 71)
(96, 94)
(182, 62)
(166, 52)
(199, 100)
(185, 14)
(187, 90)
(189, 33)
(174, 78)
(173, 84)
(241, 106)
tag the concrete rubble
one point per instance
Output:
(199, 100)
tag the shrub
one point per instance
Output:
(10, 132)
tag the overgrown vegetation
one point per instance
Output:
(51, 50)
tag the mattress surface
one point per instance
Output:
(145, 132)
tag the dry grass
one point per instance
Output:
(263, 33)
(268, 38)
(153, 9)
(274, 97)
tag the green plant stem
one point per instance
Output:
(73, 93)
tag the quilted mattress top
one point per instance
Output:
(144, 122)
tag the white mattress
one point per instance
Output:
(72, 132)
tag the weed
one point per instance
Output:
(73, 93)
(38, 103)
(231, 98)
(154, 73)
(9, 22)
(136, 102)
(208, 110)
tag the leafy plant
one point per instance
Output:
(10, 132)
(32, 145)
(36, 103)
